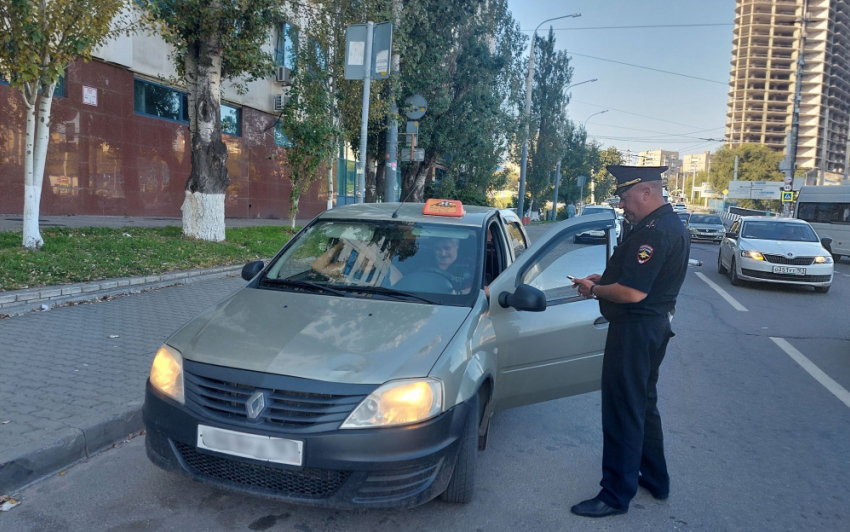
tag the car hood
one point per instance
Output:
(716, 227)
(784, 247)
(337, 339)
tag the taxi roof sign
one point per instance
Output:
(443, 207)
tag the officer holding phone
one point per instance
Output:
(637, 295)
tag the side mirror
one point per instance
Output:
(250, 270)
(525, 297)
(826, 242)
(731, 235)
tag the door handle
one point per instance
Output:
(600, 321)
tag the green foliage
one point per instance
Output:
(38, 40)
(756, 162)
(73, 255)
(239, 28)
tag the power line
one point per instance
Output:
(668, 134)
(641, 27)
(650, 68)
(635, 114)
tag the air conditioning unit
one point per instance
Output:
(280, 101)
(284, 75)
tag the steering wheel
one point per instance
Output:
(428, 279)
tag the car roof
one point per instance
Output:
(474, 216)
(772, 219)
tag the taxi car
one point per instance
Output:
(598, 236)
(775, 250)
(361, 366)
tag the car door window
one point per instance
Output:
(736, 225)
(518, 242)
(495, 260)
(578, 253)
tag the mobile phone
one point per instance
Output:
(571, 278)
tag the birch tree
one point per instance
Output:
(38, 40)
(213, 41)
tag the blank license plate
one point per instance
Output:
(790, 271)
(256, 446)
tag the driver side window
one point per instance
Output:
(494, 254)
(736, 226)
(575, 253)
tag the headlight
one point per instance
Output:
(167, 373)
(755, 255)
(823, 260)
(398, 403)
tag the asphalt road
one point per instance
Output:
(754, 442)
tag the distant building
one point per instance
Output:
(661, 157)
(697, 162)
(767, 44)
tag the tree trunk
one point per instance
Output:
(35, 157)
(203, 208)
(380, 179)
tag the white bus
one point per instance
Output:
(827, 209)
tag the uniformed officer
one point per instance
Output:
(637, 295)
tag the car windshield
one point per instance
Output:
(683, 216)
(794, 232)
(383, 259)
(705, 219)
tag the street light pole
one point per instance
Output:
(591, 116)
(528, 82)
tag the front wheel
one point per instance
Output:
(733, 274)
(721, 269)
(461, 487)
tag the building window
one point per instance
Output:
(280, 137)
(58, 92)
(231, 120)
(160, 101)
(286, 41)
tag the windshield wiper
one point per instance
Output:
(392, 292)
(305, 284)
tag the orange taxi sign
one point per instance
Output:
(442, 207)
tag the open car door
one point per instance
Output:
(554, 349)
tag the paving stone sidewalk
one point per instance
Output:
(67, 389)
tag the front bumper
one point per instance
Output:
(370, 468)
(701, 235)
(762, 271)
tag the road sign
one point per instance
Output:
(787, 196)
(382, 46)
(725, 191)
(786, 188)
(765, 190)
(416, 107)
(355, 51)
(418, 155)
(581, 180)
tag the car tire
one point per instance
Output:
(733, 274)
(721, 269)
(822, 289)
(461, 488)
(575, 239)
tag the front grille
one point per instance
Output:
(304, 484)
(797, 261)
(786, 277)
(292, 405)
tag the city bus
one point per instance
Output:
(827, 209)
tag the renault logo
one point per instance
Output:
(255, 404)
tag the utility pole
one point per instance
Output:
(364, 115)
(391, 160)
(790, 162)
(557, 177)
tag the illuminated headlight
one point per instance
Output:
(823, 260)
(398, 403)
(167, 373)
(755, 255)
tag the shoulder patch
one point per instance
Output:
(644, 253)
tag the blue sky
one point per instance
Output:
(697, 107)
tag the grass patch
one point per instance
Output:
(80, 254)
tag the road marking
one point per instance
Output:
(723, 293)
(836, 389)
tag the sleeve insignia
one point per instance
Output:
(644, 253)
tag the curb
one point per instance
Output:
(77, 444)
(18, 302)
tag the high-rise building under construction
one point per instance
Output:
(771, 38)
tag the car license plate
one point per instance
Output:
(789, 271)
(256, 446)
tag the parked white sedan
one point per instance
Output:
(775, 250)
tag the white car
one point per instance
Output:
(680, 207)
(775, 250)
(598, 236)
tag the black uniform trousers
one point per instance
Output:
(631, 424)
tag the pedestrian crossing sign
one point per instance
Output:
(787, 196)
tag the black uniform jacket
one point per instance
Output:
(653, 258)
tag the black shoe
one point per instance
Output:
(652, 490)
(596, 508)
